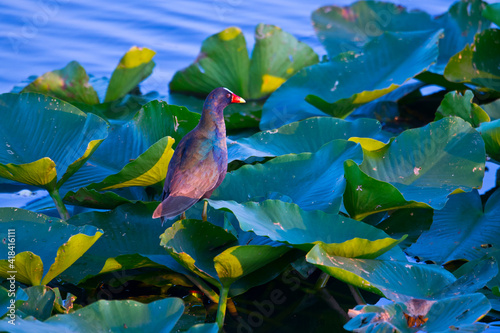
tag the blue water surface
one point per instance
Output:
(43, 35)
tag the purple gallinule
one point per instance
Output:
(199, 163)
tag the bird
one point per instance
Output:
(199, 163)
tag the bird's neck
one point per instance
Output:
(212, 121)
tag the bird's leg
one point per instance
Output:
(183, 216)
(204, 213)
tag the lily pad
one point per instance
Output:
(220, 259)
(277, 55)
(365, 195)
(94, 199)
(287, 222)
(45, 140)
(425, 165)
(108, 316)
(454, 313)
(474, 64)
(399, 280)
(460, 228)
(148, 169)
(71, 84)
(40, 240)
(304, 136)
(134, 67)
(411, 222)
(335, 87)
(137, 233)
(349, 28)
(492, 109)
(461, 23)
(462, 106)
(290, 175)
(122, 109)
(6, 303)
(490, 132)
(492, 12)
(40, 303)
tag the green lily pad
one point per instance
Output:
(71, 84)
(226, 49)
(134, 67)
(474, 64)
(492, 109)
(148, 169)
(137, 233)
(131, 244)
(237, 262)
(122, 109)
(411, 222)
(349, 28)
(45, 140)
(462, 106)
(474, 275)
(220, 259)
(454, 313)
(40, 240)
(461, 23)
(304, 136)
(400, 280)
(334, 87)
(490, 132)
(492, 12)
(386, 108)
(39, 304)
(94, 199)
(108, 316)
(290, 175)
(6, 305)
(365, 195)
(277, 55)
(126, 141)
(425, 165)
(460, 228)
(472, 266)
(287, 222)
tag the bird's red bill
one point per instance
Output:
(237, 99)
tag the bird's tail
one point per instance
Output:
(173, 206)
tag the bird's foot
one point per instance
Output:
(183, 216)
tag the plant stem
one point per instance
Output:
(63, 212)
(325, 295)
(221, 311)
(332, 302)
(357, 295)
(322, 281)
(212, 295)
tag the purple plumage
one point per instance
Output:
(199, 163)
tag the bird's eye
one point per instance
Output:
(228, 95)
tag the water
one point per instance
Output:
(39, 36)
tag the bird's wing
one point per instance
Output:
(188, 180)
